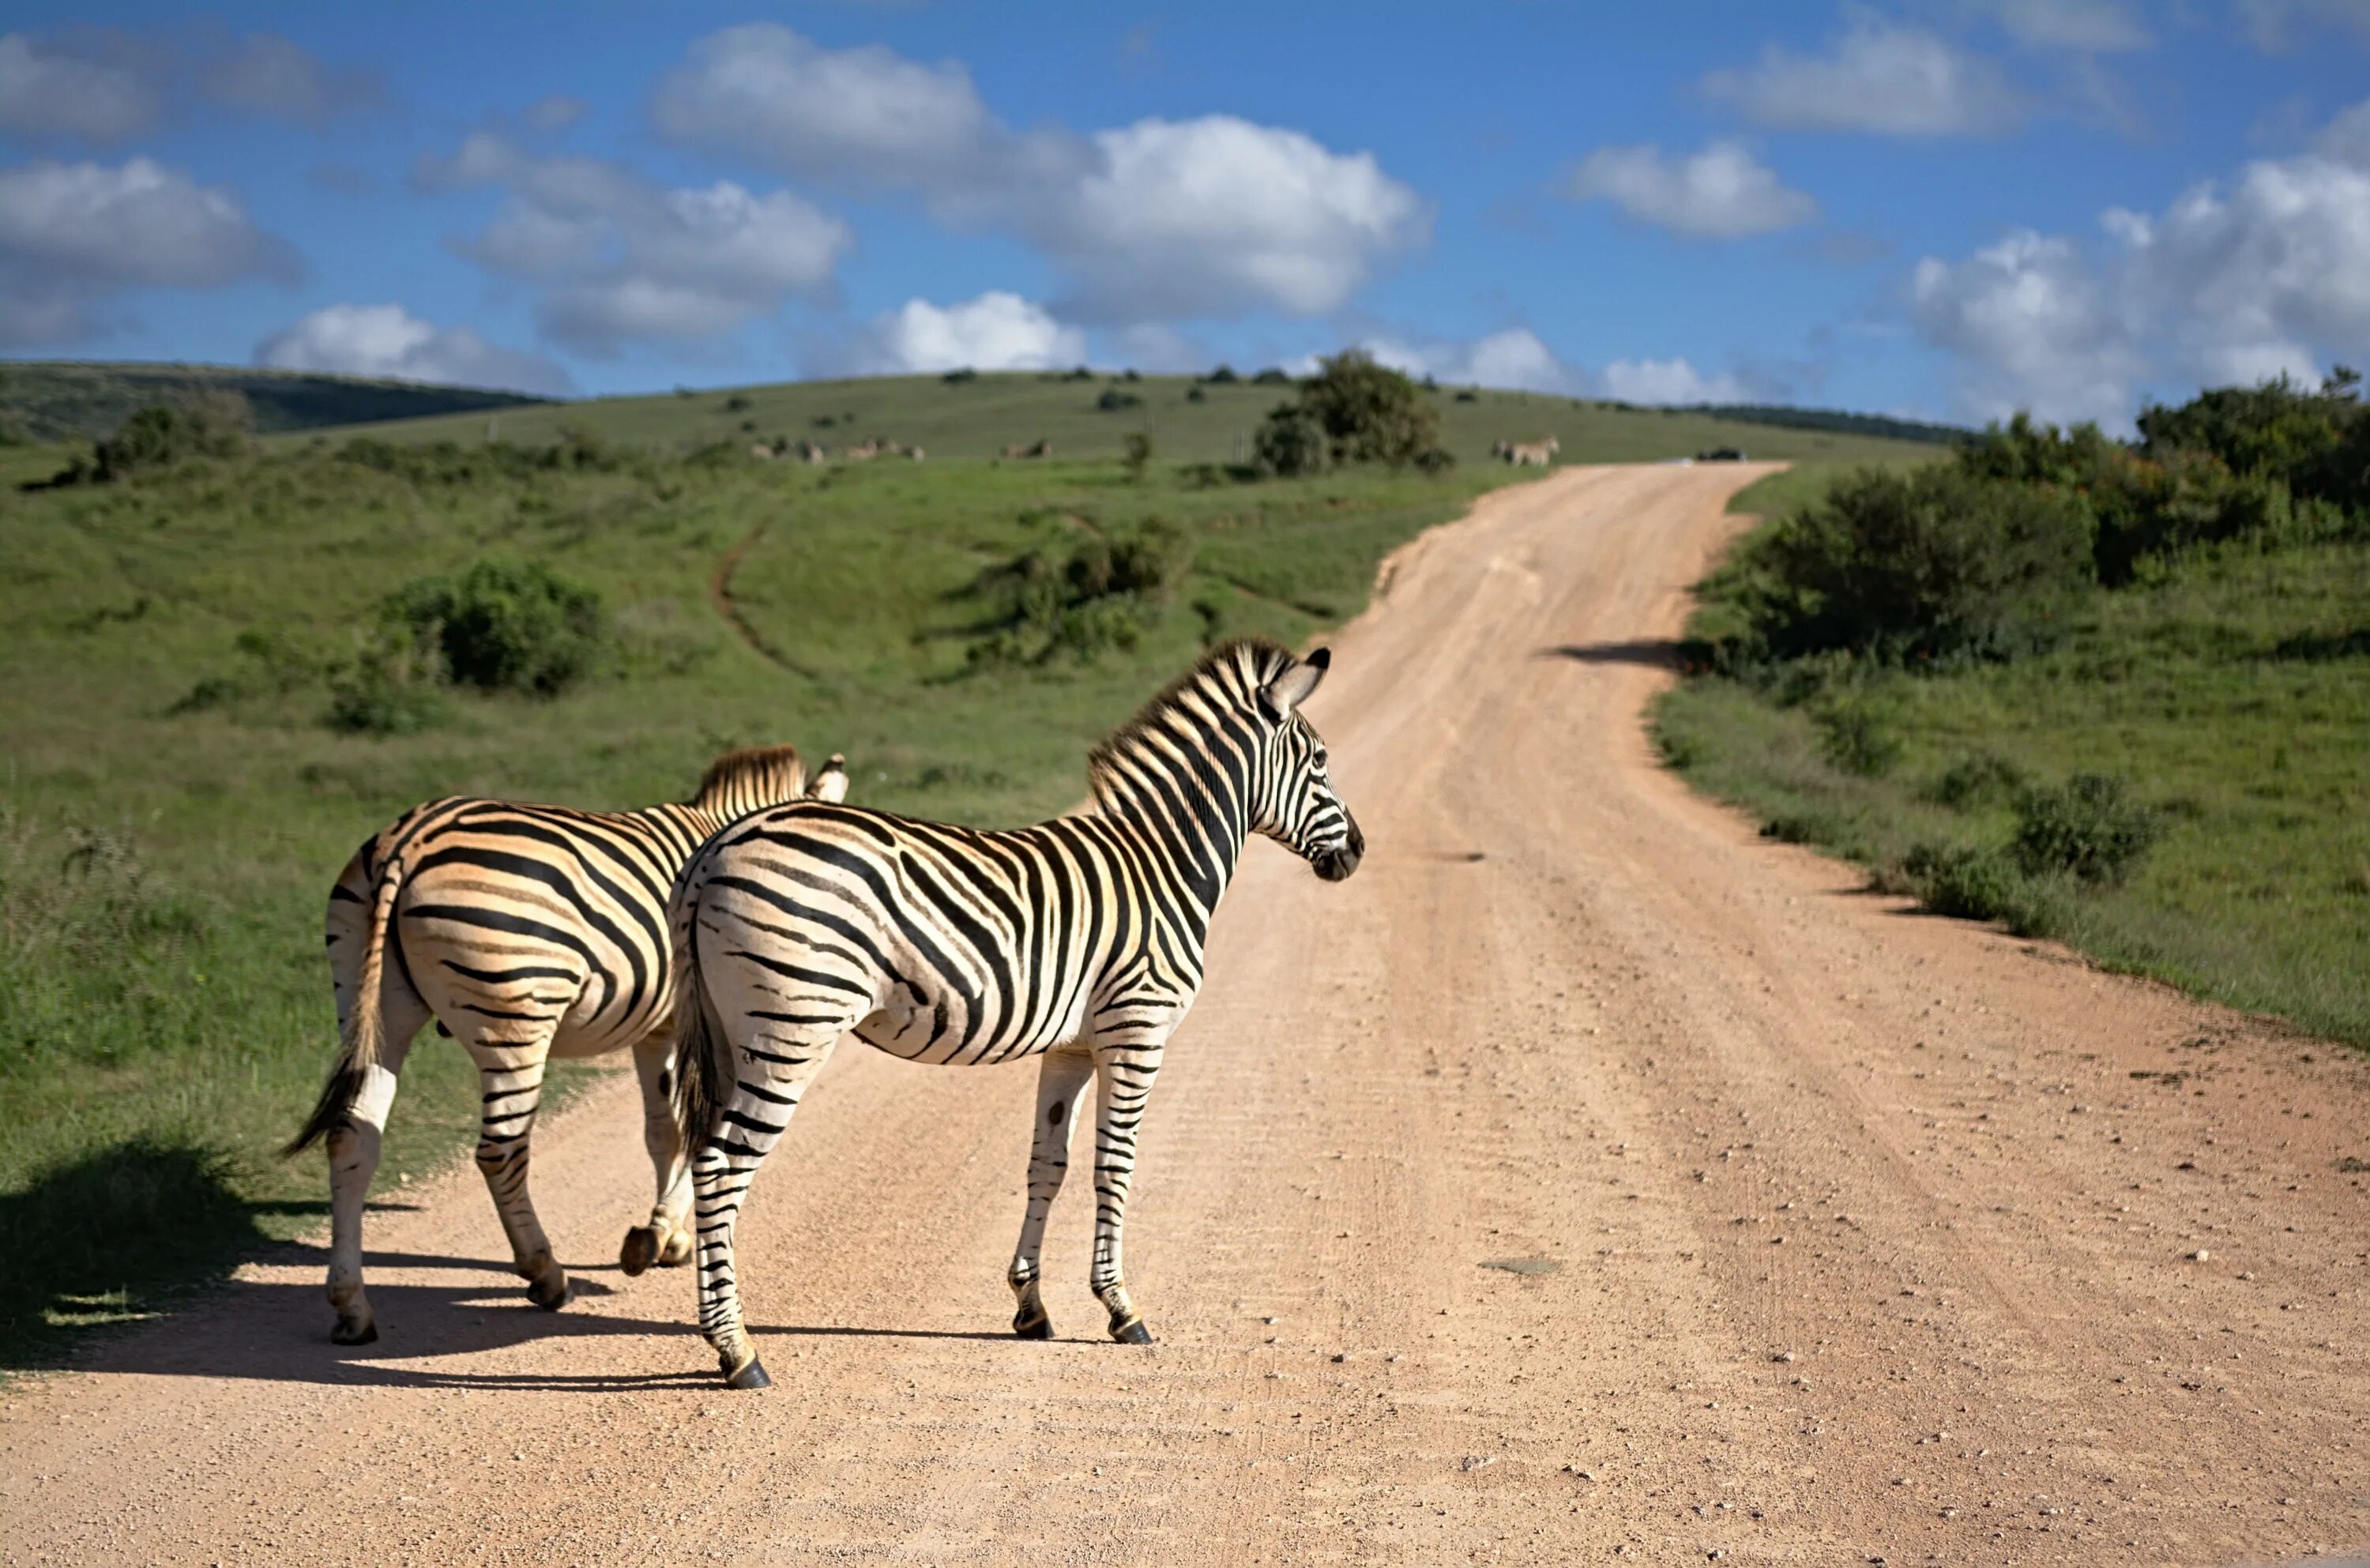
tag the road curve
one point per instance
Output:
(1587, 1175)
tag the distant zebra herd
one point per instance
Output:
(816, 452)
(729, 943)
(1527, 454)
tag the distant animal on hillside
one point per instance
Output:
(1040, 448)
(761, 449)
(525, 932)
(1529, 454)
(863, 452)
(812, 452)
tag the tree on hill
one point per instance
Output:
(1367, 413)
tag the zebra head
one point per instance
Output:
(1292, 796)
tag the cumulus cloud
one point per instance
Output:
(1718, 193)
(264, 73)
(1513, 359)
(2276, 25)
(388, 341)
(557, 113)
(1668, 381)
(2080, 27)
(74, 235)
(1883, 77)
(616, 259)
(95, 86)
(2235, 280)
(994, 331)
(1204, 218)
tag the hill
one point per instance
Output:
(1189, 420)
(42, 401)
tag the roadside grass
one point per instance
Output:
(173, 807)
(2232, 692)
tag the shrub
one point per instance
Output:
(1903, 566)
(958, 377)
(164, 435)
(1369, 412)
(388, 689)
(1291, 443)
(1436, 460)
(1466, 395)
(1977, 779)
(1971, 885)
(1270, 376)
(2090, 827)
(504, 625)
(736, 404)
(1195, 395)
(1858, 736)
(1103, 595)
(1113, 400)
(1223, 376)
(1136, 453)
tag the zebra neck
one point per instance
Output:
(1186, 812)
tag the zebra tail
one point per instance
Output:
(696, 1040)
(363, 1040)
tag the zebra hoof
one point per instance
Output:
(1037, 1327)
(365, 1332)
(640, 1251)
(677, 1250)
(550, 1292)
(1132, 1332)
(750, 1377)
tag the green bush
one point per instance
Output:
(505, 626)
(1113, 400)
(1859, 737)
(164, 435)
(1436, 460)
(1968, 883)
(389, 688)
(1369, 414)
(1911, 566)
(1223, 376)
(1270, 376)
(1135, 454)
(2088, 827)
(1291, 444)
(1103, 595)
(1977, 779)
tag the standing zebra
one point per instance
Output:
(1079, 940)
(526, 932)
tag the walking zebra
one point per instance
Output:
(1078, 940)
(526, 932)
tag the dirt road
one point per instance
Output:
(1586, 1176)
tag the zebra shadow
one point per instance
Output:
(1653, 652)
(464, 1334)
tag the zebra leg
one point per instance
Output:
(512, 1077)
(1061, 1082)
(666, 1239)
(353, 1162)
(1124, 1069)
(748, 1121)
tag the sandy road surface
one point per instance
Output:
(1847, 1232)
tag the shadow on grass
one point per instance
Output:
(1653, 652)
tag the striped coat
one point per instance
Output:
(525, 932)
(1078, 942)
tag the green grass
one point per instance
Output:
(2233, 692)
(980, 417)
(165, 1012)
(46, 400)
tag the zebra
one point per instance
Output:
(528, 932)
(1078, 941)
(1530, 454)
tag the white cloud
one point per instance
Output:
(2346, 139)
(387, 340)
(72, 235)
(49, 88)
(2080, 27)
(994, 331)
(2233, 281)
(1882, 77)
(265, 74)
(1668, 381)
(1513, 359)
(1718, 193)
(557, 113)
(2276, 25)
(618, 260)
(1204, 218)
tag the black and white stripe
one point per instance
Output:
(1078, 941)
(525, 932)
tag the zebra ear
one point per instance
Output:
(831, 784)
(1281, 695)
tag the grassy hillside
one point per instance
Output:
(49, 401)
(2227, 687)
(980, 416)
(173, 805)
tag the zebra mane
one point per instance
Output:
(759, 775)
(1251, 662)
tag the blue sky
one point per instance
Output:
(1944, 207)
